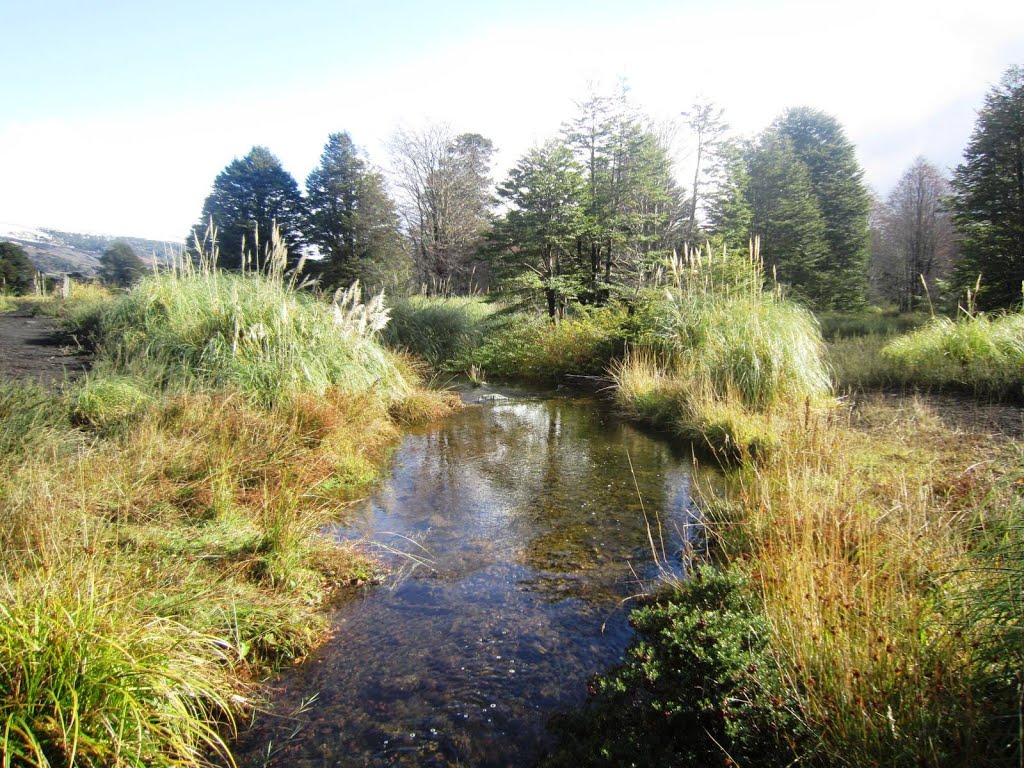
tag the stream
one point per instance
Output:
(516, 532)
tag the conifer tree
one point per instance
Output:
(836, 183)
(351, 219)
(249, 197)
(988, 197)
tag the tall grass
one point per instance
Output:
(88, 681)
(257, 334)
(720, 354)
(979, 353)
(7, 304)
(159, 521)
(858, 541)
(443, 331)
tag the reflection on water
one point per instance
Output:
(524, 533)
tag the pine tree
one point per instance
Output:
(538, 237)
(16, 269)
(351, 219)
(635, 207)
(785, 215)
(836, 181)
(988, 197)
(249, 197)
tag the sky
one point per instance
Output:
(116, 115)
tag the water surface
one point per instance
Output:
(516, 532)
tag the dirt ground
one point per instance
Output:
(34, 348)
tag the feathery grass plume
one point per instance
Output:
(257, 333)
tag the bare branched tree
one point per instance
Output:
(916, 241)
(442, 182)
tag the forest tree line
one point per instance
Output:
(590, 215)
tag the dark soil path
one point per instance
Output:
(34, 348)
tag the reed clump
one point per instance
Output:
(719, 354)
(859, 541)
(977, 352)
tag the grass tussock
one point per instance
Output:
(7, 303)
(90, 681)
(859, 544)
(978, 353)
(722, 356)
(445, 332)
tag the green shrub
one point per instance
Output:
(696, 688)
(585, 343)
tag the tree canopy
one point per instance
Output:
(351, 219)
(120, 265)
(445, 201)
(16, 269)
(799, 189)
(988, 196)
(249, 196)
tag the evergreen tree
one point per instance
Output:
(120, 265)
(836, 181)
(16, 269)
(728, 210)
(351, 219)
(988, 196)
(538, 237)
(635, 207)
(785, 215)
(249, 196)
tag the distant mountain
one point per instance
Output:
(55, 252)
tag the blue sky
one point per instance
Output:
(116, 116)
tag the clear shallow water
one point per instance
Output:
(522, 533)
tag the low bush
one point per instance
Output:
(697, 687)
(536, 348)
